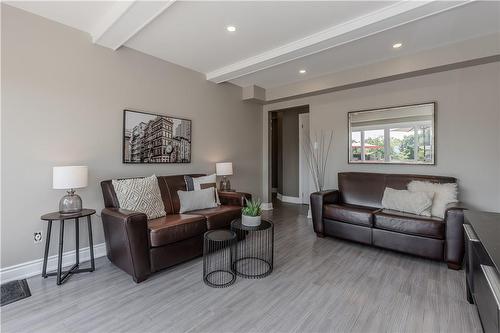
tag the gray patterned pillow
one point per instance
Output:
(140, 195)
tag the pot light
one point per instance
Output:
(397, 45)
(231, 28)
(302, 71)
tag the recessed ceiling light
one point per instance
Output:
(231, 28)
(302, 71)
(397, 45)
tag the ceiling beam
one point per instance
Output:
(392, 16)
(125, 20)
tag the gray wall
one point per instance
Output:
(467, 126)
(62, 102)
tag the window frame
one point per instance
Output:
(386, 129)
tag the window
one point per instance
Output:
(393, 135)
(374, 145)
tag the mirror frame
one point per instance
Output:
(349, 134)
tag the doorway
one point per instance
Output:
(288, 169)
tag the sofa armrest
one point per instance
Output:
(127, 243)
(454, 217)
(234, 198)
(318, 199)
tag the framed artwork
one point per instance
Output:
(153, 138)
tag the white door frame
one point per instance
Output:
(304, 173)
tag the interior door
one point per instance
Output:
(304, 172)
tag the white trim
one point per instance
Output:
(381, 20)
(266, 206)
(34, 267)
(285, 198)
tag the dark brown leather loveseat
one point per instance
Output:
(141, 247)
(354, 212)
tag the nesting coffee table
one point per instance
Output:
(243, 251)
(254, 250)
(219, 249)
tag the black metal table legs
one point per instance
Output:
(46, 253)
(91, 244)
(59, 273)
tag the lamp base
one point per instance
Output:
(71, 203)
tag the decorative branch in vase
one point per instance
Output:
(317, 154)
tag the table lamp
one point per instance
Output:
(224, 169)
(69, 178)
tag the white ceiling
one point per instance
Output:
(193, 34)
(431, 32)
(274, 39)
(82, 15)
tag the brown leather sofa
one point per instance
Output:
(141, 247)
(354, 212)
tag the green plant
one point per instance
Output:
(252, 208)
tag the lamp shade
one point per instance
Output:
(69, 177)
(224, 169)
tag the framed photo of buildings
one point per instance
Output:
(152, 138)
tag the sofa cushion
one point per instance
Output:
(193, 200)
(219, 217)
(176, 227)
(444, 194)
(418, 203)
(410, 224)
(349, 214)
(140, 195)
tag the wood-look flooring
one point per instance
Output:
(318, 285)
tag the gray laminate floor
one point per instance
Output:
(318, 285)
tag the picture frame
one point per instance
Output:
(150, 138)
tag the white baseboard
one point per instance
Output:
(34, 267)
(285, 198)
(266, 206)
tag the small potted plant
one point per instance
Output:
(251, 213)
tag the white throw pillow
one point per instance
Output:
(192, 200)
(140, 195)
(200, 183)
(443, 194)
(419, 203)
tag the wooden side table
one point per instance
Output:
(56, 216)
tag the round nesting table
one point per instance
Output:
(255, 249)
(219, 249)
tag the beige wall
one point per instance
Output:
(62, 102)
(467, 127)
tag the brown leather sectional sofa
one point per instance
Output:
(141, 247)
(354, 212)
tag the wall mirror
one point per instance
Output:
(395, 135)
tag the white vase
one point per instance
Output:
(250, 221)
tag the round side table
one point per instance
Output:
(219, 247)
(56, 216)
(255, 250)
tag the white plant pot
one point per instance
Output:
(250, 221)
